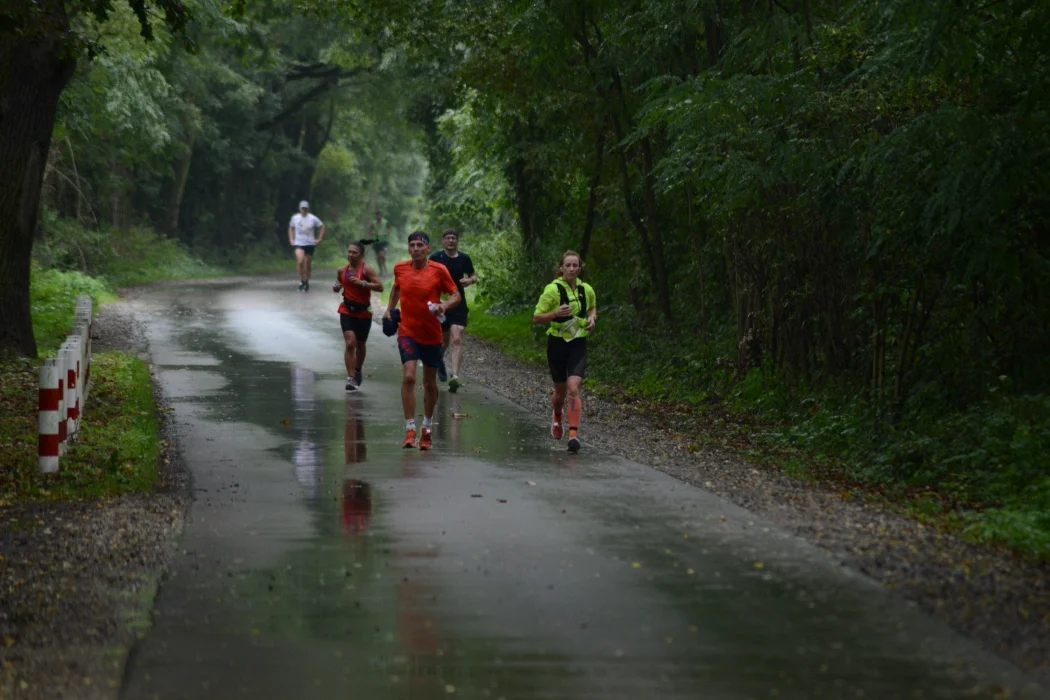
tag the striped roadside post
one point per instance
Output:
(63, 424)
(71, 360)
(50, 397)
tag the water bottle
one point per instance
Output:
(431, 305)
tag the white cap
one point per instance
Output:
(304, 204)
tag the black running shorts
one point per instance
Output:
(566, 358)
(456, 316)
(360, 326)
(308, 249)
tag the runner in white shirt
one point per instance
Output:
(305, 232)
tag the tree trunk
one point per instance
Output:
(592, 201)
(34, 68)
(653, 216)
(182, 174)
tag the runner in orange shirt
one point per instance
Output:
(418, 286)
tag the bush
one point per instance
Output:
(52, 298)
(131, 256)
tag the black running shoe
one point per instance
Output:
(574, 442)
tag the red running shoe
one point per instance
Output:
(426, 440)
(556, 431)
(410, 438)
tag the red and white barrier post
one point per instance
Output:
(64, 382)
(50, 398)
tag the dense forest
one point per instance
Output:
(827, 213)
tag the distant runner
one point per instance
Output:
(568, 304)
(462, 270)
(418, 285)
(305, 232)
(379, 232)
(356, 281)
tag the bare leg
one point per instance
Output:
(300, 263)
(558, 398)
(362, 350)
(574, 406)
(350, 352)
(307, 267)
(457, 347)
(430, 391)
(408, 389)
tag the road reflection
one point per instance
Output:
(306, 455)
(356, 511)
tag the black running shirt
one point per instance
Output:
(459, 267)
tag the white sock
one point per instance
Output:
(410, 424)
(428, 422)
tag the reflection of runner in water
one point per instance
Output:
(568, 304)
(357, 495)
(306, 458)
(356, 281)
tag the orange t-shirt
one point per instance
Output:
(419, 286)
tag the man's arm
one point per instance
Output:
(321, 237)
(453, 300)
(471, 277)
(291, 235)
(449, 287)
(395, 297)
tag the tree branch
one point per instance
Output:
(313, 93)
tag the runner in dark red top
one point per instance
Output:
(418, 286)
(356, 281)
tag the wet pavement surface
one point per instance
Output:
(321, 560)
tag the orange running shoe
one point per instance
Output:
(426, 440)
(556, 431)
(410, 438)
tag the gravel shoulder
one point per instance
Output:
(999, 599)
(78, 579)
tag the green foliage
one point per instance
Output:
(117, 258)
(115, 451)
(53, 295)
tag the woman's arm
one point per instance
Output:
(372, 280)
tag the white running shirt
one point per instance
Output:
(306, 228)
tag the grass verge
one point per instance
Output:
(115, 452)
(978, 473)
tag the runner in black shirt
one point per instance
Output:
(462, 270)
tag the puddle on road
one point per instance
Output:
(321, 560)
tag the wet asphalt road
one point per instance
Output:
(321, 560)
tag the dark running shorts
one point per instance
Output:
(360, 326)
(566, 358)
(308, 249)
(429, 355)
(457, 316)
(380, 246)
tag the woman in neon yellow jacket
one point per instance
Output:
(569, 305)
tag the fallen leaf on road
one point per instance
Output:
(531, 483)
(286, 422)
(475, 495)
(759, 565)
(502, 500)
(461, 415)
